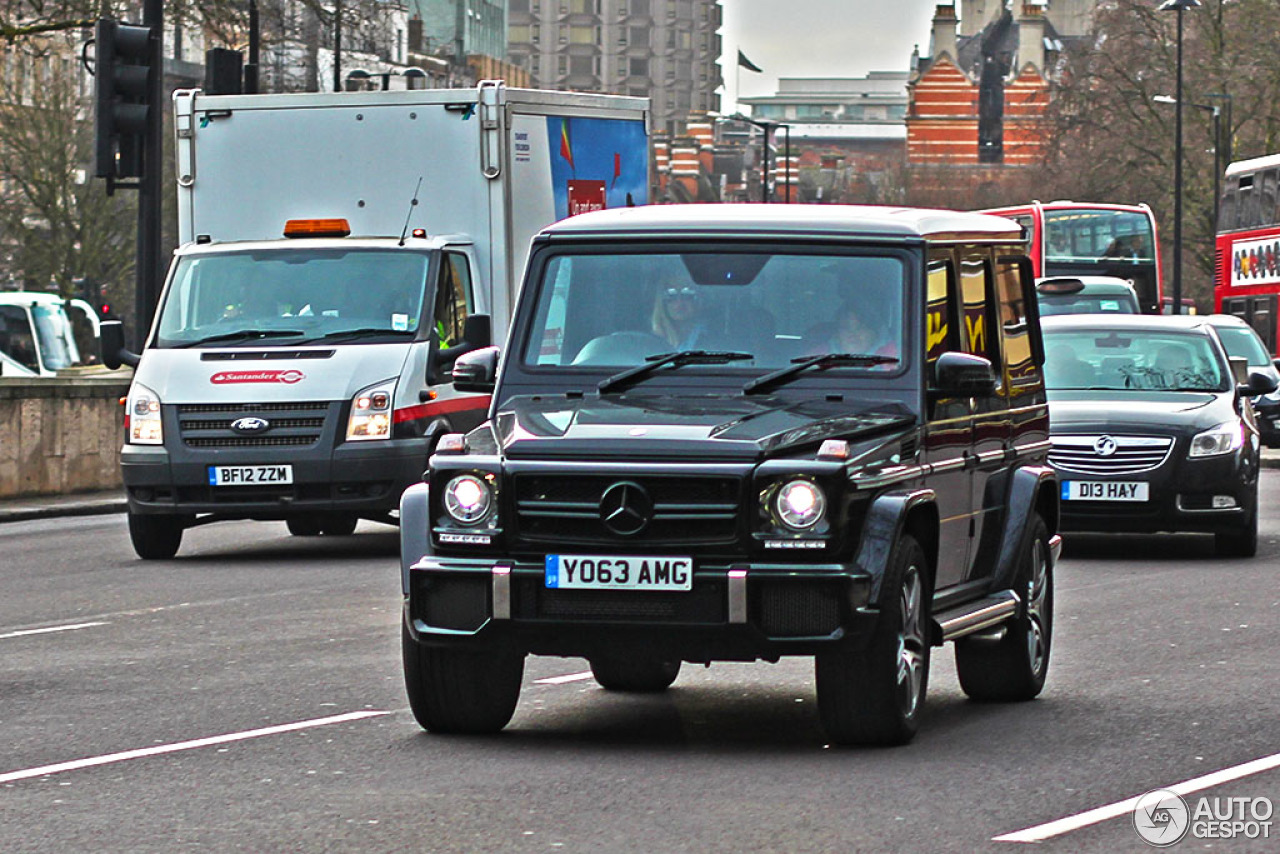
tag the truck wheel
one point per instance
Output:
(451, 691)
(303, 526)
(156, 537)
(873, 696)
(639, 674)
(1014, 667)
(339, 524)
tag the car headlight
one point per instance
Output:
(799, 504)
(468, 499)
(1222, 439)
(371, 413)
(143, 411)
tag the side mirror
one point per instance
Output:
(477, 332)
(1257, 385)
(111, 338)
(963, 375)
(1239, 369)
(476, 371)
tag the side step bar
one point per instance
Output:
(976, 616)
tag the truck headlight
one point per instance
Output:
(371, 413)
(799, 504)
(1222, 439)
(143, 411)
(468, 499)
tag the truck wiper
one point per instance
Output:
(361, 333)
(799, 366)
(244, 335)
(683, 357)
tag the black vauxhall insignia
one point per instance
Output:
(1150, 430)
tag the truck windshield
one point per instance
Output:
(293, 293)
(618, 310)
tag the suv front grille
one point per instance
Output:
(208, 425)
(1132, 454)
(565, 508)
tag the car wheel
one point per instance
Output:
(304, 526)
(1014, 667)
(640, 674)
(339, 524)
(455, 691)
(873, 696)
(156, 537)
(1241, 543)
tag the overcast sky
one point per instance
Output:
(818, 38)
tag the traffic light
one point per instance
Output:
(122, 84)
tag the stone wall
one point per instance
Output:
(61, 435)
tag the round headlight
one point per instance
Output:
(800, 504)
(467, 499)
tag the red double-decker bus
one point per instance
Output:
(1246, 280)
(1094, 238)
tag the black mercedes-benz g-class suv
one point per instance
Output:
(738, 432)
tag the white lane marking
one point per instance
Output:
(109, 758)
(49, 629)
(560, 680)
(1041, 832)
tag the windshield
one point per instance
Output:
(1086, 304)
(1244, 344)
(617, 310)
(1131, 360)
(1076, 236)
(53, 332)
(299, 294)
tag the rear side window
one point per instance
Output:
(941, 332)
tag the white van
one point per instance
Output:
(37, 333)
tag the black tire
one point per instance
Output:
(304, 526)
(1014, 668)
(339, 524)
(1242, 543)
(639, 674)
(454, 691)
(874, 696)
(156, 537)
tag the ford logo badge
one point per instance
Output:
(250, 424)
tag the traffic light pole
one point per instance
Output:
(148, 265)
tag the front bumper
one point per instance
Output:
(734, 611)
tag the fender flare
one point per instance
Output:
(881, 529)
(1028, 487)
(415, 530)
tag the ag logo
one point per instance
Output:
(1161, 818)
(1105, 446)
(250, 424)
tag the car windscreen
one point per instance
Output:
(1132, 360)
(1086, 304)
(294, 295)
(53, 332)
(1244, 344)
(617, 309)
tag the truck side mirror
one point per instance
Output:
(476, 371)
(963, 375)
(111, 338)
(477, 332)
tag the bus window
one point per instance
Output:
(1267, 198)
(1227, 216)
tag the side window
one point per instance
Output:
(979, 308)
(1267, 199)
(453, 298)
(15, 336)
(1227, 216)
(1014, 298)
(941, 332)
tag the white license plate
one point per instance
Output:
(619, 572)
(1105, 490)
(250, 475)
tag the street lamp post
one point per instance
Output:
(1218, 158)
(1178, 6)
(764, 151)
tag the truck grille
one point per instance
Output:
(1132, 454)
(564, 508)
(208, 425)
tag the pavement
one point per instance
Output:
(113, 501)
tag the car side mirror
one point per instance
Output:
(1257, 385)
(111, 340)
(476, 371)
(963, 375)
(477, 332)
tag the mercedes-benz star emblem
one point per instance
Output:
(250, 424)
(625, 508)
(1105, 446)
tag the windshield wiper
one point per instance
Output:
(244, 335)
(799, 366)
(361, 333)
(683, 357)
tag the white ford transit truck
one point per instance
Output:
(337, 253)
